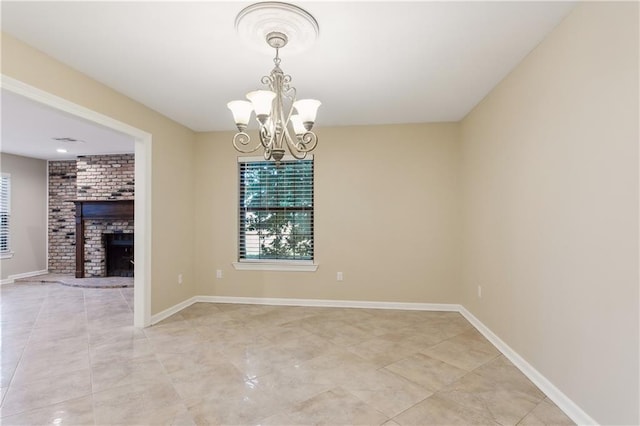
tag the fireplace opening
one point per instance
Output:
(119, 254)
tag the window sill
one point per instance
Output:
(275, 266)
(6, 255)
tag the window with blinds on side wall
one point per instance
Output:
(275, 210)
(5, 212)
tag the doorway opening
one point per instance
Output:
(142, 214)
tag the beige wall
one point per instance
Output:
(386, 216)
(550, 184)
(28, 226)
(171, 162)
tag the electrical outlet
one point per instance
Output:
(479, 292)
(339, 276)
(179, 278)
(218, 273)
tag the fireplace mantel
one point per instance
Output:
(97, 210)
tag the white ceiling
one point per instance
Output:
(29, 129)
(374, 62)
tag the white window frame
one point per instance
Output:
(5, 197)
(284, 265)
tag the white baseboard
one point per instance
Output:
(569, 407)
(172, 310)
(12, 278)
(323, 303)
(558, 397)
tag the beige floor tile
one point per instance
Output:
(45, 391)
(421, 339)
(140, 403)
(120, 351)
(7, 370)
(203, 317)
(72, 412)
(337, 367)
(507, 377)
(34, 366)
(389, 393)
(335, 407)
(546, 413)
(234, 404)
(125, 372)
(289, 387)
(73, 353)
(390, 320)
(52, 347)
(69, 319)
(465, 352)
(429, 372)
(383, 350)
(99, 337)
(503, 405)
(176, 344)
(58, 332)
(436, 410)
(280, 419)
(195, 382)
(283, 333)
(443, 325)
(106, 321)
(198, 355)
(342, 332)
(260, 359)
(13, 338)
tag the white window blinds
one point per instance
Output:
(5, 211)
(276, 210)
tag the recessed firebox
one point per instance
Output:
(118, 249)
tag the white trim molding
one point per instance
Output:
(12, 278)
(173, 310)
(275, 266)
(324, 303)
(6, 254)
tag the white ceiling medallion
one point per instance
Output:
(254, 22)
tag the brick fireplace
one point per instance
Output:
(97, 221)
(97, 183)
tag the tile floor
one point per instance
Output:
(71, 356)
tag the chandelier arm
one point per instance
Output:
(307, 142)
(266, 135)
(267, 153)
(298, 155)
(267, 81)
(304, 143)
(241, 140)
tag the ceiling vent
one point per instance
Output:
(68, 140)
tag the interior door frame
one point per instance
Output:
(142, 214)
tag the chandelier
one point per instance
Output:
(278, 126)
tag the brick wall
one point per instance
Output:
(96, 177)
(106, 177)
(62, 225)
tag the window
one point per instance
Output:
(5, 213)
(275, 211)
